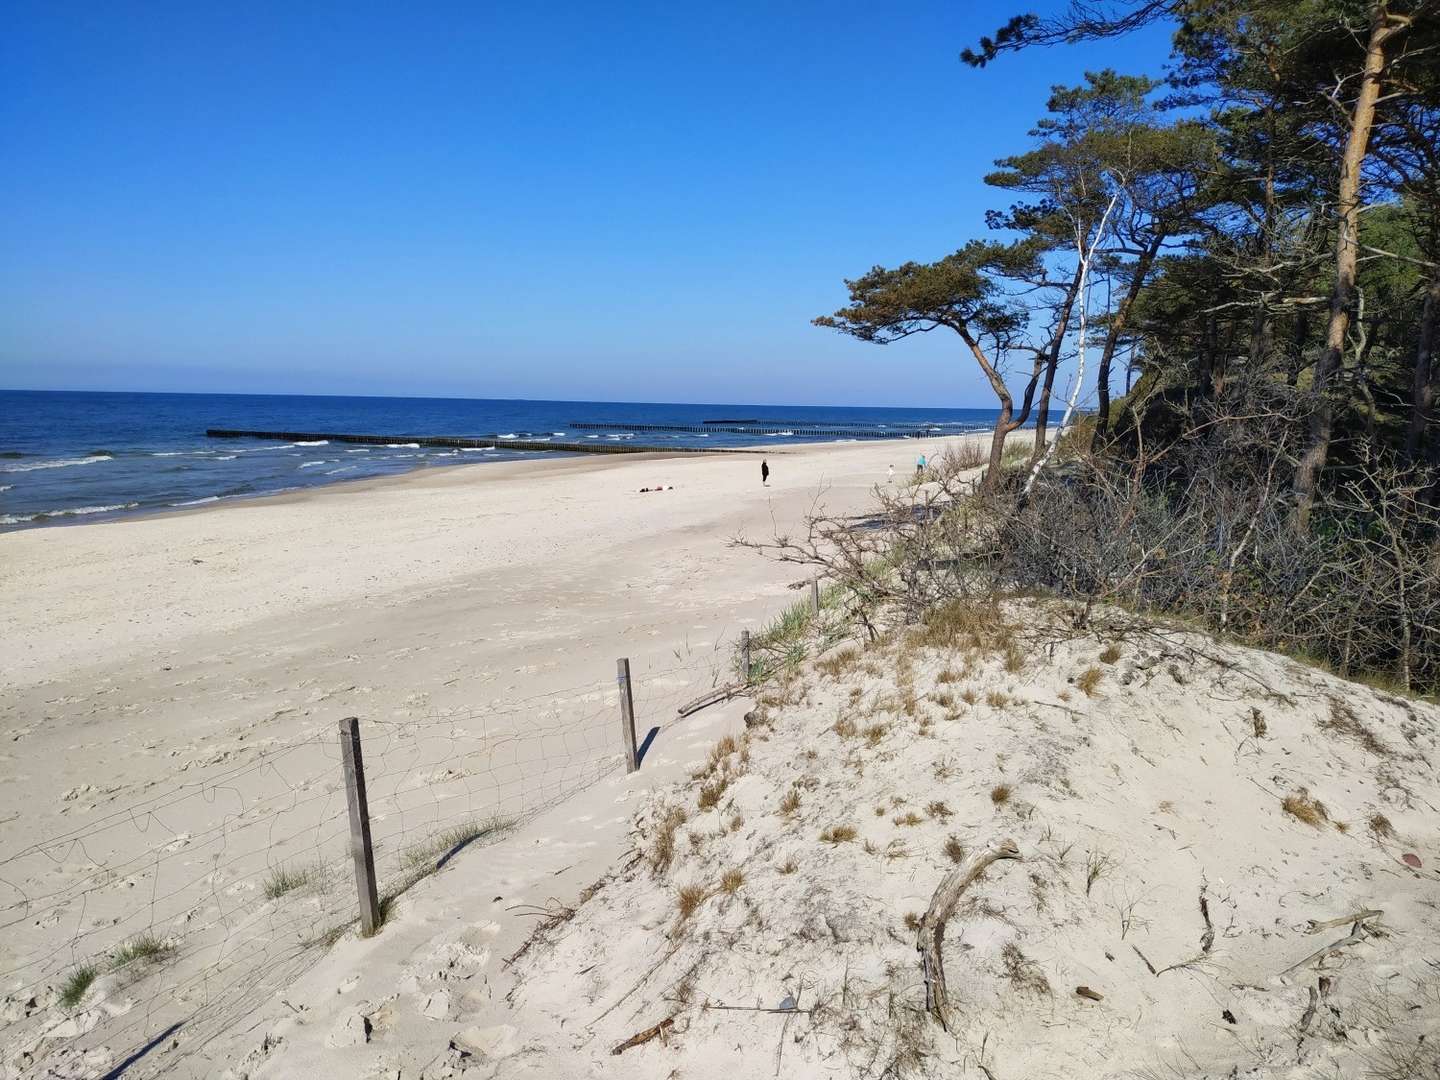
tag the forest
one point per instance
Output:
(1242, 257)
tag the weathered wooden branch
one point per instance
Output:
(720, 694)
(930, 938)
(1356, 935)
(642, 1037)
(1315, 926)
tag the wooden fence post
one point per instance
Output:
(745, 657)
(627, 715)
(360, 848)
(815, 596)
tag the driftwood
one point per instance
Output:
(1315, 926)
(1356, 935)
(720, 694)
(642, 1037)
(930, 938)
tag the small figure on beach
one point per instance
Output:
(764, 473)
(890, 474)
(920, 465)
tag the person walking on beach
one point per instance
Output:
(890, 474)
(920, 465)
(764, 473)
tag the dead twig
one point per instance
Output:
(1355, 937)
(640, 1038)
(1314, 926)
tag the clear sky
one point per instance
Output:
(594, 201)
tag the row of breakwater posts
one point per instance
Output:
(163, 914)
(470, 442)
(776, 428)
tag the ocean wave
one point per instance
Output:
(170, 453)
(511, 435)
(316, 442)
(225, 457)
(198, 502)
(312, 464)
(359, 450)
(6, 487)
(343, 468)
(403, 445)
(58, 464)
(76, 511)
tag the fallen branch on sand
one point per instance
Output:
(1314, 926)
(721, 694)
(930, 938)
(1356, 935)
(640, 1038)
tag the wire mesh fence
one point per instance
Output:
(172, 916)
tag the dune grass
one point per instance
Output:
(72, 990)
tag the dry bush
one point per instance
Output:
(1381, 827)
(844, 727)
(1000, 794)
(996, 699)
(875, 732)
(791, 802)
(911, 818)
(731, 880)
(938, 810)
(1303, 807)
(839, 834)
(948, 675)
(912, 920)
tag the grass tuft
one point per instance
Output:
(1381, 827)
(839, 834)
(286, 879)
(138, 949)
(72, 990)
(1303, 807)
(1000, 794)
(731, 880)
(954, 849)
(688, 899)
(1088, 680)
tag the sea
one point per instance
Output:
(80, 457)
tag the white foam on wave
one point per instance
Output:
(76, 511)
(197, 502)
(226, 457)
(359, 450)
(31, 466)
(6, 487)
(170, 453)
(312, 464)
(511, 435)
(343, 468)
(316, 442)
(403, 445)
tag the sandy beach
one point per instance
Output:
(148, 661)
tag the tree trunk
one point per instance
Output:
(1422, 407)
(1117, 326)
(1003, 426)
(1347, 204)
(1052, 362)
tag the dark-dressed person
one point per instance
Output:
(764, 473)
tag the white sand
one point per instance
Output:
(161, 677)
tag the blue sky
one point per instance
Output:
(630, 202)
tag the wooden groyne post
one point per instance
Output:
(361, 849)
(745, 657)
(815, 596)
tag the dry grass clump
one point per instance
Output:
(1343, 721)
(1097, 865)
(969, 696)
(1014, 659)
(1088, 680)
(711, 792)
(912, 920)
(1381, 827)
(839, 834)
(910, 819)
(731, 880)
(839, 663)
(791, 802)
(789, 867)
(662, 850)
(1000, 794)
(938, 810)
(1258, 726)
(954, 849)
(1110, 653)
(944, 698)
(875, 732)
(948, 675)
(1024, 974)
(1303, 807)
(844, 727)
(688, 899)
(962, 624)
(996, 699)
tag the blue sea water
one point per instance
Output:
(70, 457)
